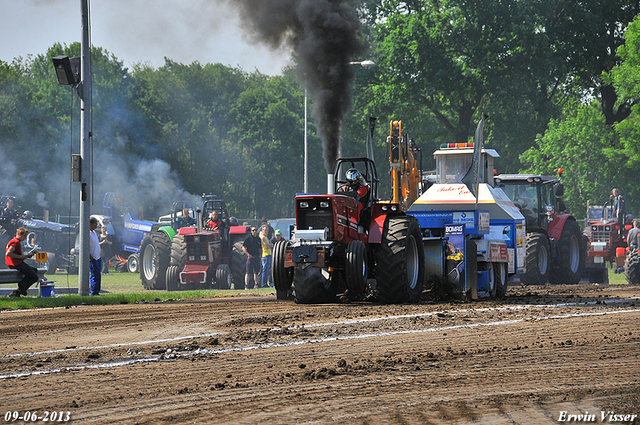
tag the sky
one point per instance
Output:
(139, 31)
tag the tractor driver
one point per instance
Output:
(214, 222)
(185, 220)
(356, 186)
(525, 202)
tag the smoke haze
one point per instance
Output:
(324, 37)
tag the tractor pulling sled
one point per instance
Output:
(448, 236)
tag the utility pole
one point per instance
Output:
(85, 152)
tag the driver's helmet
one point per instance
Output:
(233, 221)
(27, 215)
(353, 176)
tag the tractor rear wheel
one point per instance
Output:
(312, 286)
(178, 252)
(632, 268)
(282, 276)
(154, 257)
(399, 261)
(357, 267)
(173, 278)
(223, 277)
(238, 264)
(537, 260)
(571, 261)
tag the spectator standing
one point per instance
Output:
(105, 249)
(9, 217)
(267, 248)
(270, 230)
(95, 262)
(632, 236)
(14, 258)
(277, 238)
(618, 209)
(253, 248)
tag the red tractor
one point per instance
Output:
(208, 257)
(554, 247)
(342, 243)
(605, 243)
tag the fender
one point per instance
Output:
(379, 215)
(168, 230)
(556, 226)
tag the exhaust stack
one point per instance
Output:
(330, 184)
(199, 220)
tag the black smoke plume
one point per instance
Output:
(324, 37)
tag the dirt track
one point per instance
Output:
(249, 359)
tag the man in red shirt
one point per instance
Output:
(15, 260)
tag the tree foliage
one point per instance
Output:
(558, 78)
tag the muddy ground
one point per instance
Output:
(525, 359)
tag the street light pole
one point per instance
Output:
(85, 154)
(306, 157)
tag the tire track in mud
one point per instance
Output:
(519, 372)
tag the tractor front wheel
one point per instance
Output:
(357, 267)
(173, 278)
(223, 277)
(312, 285)
(282, 276)
(133, 263)
(537, 260)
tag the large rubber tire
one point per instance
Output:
(223, 277)
(310, 286)
(500, 276)
(172, 278)
(571, 261)
(632, 267)
(133, 263)
(538, 260)
(238, 264)
(400, 261)
(356, 267)
(178, 252)
(154, 260)
(282, 276)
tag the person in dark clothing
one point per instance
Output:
(269, 227)
(9, 217)
(632, 237)
(253, 248)
(105, 248)
(185, 220)
(619, 209)
(14, 258)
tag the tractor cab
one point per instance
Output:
(213, 203)
(182, 215)
(367, 169)
(536, 196)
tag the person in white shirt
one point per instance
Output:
(95, 262)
